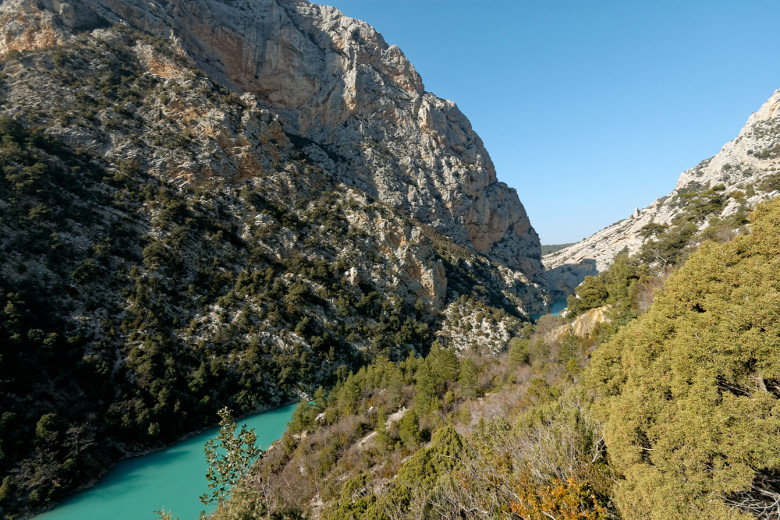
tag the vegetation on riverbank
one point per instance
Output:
(138, 297)
(674, 416)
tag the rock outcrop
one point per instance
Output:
(745, 167)
(356, 104)
(582, 326)
(225, 203)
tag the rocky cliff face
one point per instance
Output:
(208, 204)
(358, 103)
(747, 168)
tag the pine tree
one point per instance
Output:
(409, 429)
(383, 438)
(468, 378)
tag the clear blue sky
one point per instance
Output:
(590, 107)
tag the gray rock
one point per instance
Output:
(741, 166)
(335, 82)
(349, 103)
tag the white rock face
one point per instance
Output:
(741, 165)
(355, 104)
(342, 101)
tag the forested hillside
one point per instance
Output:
(667, 407)
(189, 224)
(169, 247)
(689, 394)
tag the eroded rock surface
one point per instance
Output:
(356, 103)
(744, 166)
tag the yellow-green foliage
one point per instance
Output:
(411, 490)
(616, 286)
(689, 391)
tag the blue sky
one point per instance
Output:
(590, 107)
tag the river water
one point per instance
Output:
(173, 478)
(558, 306)
(555, 309)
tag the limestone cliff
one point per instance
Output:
(357, 102)
(207, 204)
(747, 168)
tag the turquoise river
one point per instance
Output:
(555, 309)
(173, 478)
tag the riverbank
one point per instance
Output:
(173, 478)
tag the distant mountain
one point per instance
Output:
(210, 203)
(552, 248)
(745, 172)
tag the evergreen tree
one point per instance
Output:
(425, 387)
(349, 395)
(409, 429)
(468, 378)
(518, 351)
(395, 385)
(382, 439)
(690, 392)
(444, 364)
(591, 293)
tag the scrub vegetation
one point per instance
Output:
(170, 255)
(137, 298)
(671, 409)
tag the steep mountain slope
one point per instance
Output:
(747, 169)
(689, 393)
(178, 234)
(358, 104)
(669, 413)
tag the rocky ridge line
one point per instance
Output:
(357, 102)
(741, 165)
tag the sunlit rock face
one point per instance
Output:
(742, 167)
(358, 103)
(210, 204)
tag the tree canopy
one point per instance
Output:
(690, 392)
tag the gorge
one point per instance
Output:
(226, 218)
(246, 203)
